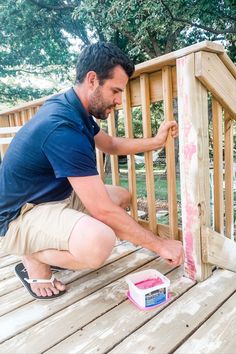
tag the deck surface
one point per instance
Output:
(95, 316)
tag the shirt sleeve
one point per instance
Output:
(96, 127)
(70, 152)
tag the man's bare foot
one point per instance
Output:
(38, 270)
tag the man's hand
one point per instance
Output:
(172, 251)
(163, 132)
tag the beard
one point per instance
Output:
(97, 105)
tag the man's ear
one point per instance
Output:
(92, 80)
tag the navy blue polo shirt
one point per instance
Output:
(58, 142)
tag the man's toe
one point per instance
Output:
(49, 291)
(59, 286)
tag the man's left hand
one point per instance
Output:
(163, 132)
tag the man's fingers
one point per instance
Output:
(176, 261)
(171, 124)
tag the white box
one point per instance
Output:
(149, 297)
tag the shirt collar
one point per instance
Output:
(74, 100)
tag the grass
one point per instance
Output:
(160, 185)
(160, 182)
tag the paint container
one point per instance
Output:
(148, 289)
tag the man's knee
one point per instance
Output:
(93, 247)
(102, 246)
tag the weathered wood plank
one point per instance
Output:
(229, 184)
(17, 119)
(115, 325)
(161, 230)
(222, 85)
(220, 250)
(131, 162)
(24, 117)
(7, 272)
(99, 158)
(9, 285)
(170, 58)
(7, 260)
(147, 133)
(194, 165)
(75, 317)
(164, 332)
(218, 166)
(114, 158)
(36, 311)
(228, 63)
(16, 297)
(170, 152)
(217, 334)
(156, 92)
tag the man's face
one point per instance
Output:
(105, 97)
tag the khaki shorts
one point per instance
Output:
(43, 226)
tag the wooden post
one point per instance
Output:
(24, 118)
(147, 133)
(17, 119)
(11, 120)
(4, 122)
(100, 160)
(194, 165)
(30, 113)
(229, 188)
(114, 158)
(170, 152)
(131, 162)
(218, 167)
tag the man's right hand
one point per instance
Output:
(172, 251)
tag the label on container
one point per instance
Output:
(155, 297)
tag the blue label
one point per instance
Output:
(155, 297)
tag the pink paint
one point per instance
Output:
(190, 222)
(191, 268)
(149, 283)
(189, 151)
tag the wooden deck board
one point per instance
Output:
(116, 324)
(14, 299)
(217, 334)
(26, 316)
(174, 324)
(95, 316)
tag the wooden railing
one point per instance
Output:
(196, 76)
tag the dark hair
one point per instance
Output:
(102, 58)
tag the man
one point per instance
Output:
(53, 155)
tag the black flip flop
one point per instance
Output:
(57, 268)
(22, 274)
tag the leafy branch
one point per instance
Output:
(194, 24)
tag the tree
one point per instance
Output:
(36, 35)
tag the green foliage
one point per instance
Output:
(156, 119)
(36, 35)
(15, 94)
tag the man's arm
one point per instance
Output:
(126, 146)
(95, 198)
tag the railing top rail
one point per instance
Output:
(170, 58)
(27, 105)
(151, 66)
(23, 106)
